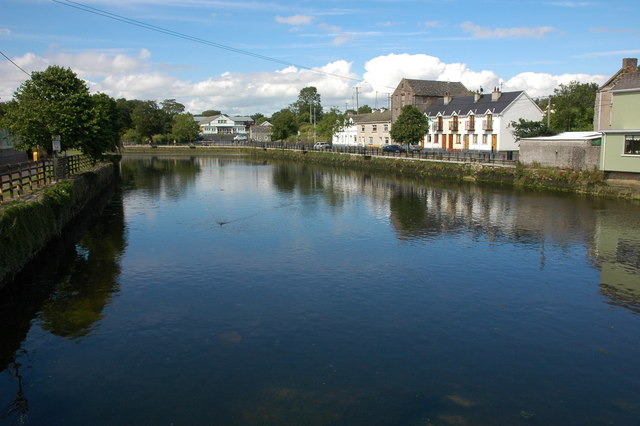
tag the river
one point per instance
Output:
(224, 290)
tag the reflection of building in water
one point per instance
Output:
(617, 245)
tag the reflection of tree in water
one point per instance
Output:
(309, 180)
(171, 176)
(91, 280)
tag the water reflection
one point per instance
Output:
(171, 177)
(66, 290)
(79, 298)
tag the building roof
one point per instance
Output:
(628, 81)
(463, 104)
(436, 88)
(372, 117)
(568, 136)
(241, 118)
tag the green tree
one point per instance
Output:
(410, 127)
(171, 107)
(364, 109)
(210, 113)
(105, 129)
(530, 129)
(147, 119)
(308, 105)
(185, 128)
(331, 122)
(573, 106)
(285, 124)
(51, 102)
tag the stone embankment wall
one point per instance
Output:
(26, 226)
(577, 155)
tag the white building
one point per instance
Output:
(223, 124)
(479, 122)
(348, 135)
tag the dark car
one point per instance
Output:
(393, 148)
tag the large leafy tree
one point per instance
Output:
(285, 124)
(573, 106)
(307, 105)
(105, 126)
(148, 119)
(185, 128)
(410, 127)
(51, 102)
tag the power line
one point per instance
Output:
(17, 66)
(95, 11)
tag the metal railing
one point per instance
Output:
(23, 178)
(439, 154)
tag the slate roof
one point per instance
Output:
(628, 81)
(463, 104)
(436, 88)
(372, 117)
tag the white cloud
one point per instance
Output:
(383, 74)
(134, 76)
(5, 31)
(515, 32)
(295, 19)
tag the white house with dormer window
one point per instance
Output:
(480, 122)
(222, 124)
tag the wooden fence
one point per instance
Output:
(23, 178)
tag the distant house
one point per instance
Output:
(223, 124)
(261, 132)
(373, 128)
(617, 106)
(348, 135)
(423, 93)
(478, 122)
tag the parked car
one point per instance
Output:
(240, 138)
(393, 148)
(412, 148)
(321, 145)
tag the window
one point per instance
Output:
(374, 128)
(439, 126)
(363, 127)
(370, 140)
(475, 139)
(489, 122)
(386, 128)
(632, 144)
(484, 139)
(386, 140)
(472, 122)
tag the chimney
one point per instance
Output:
(495, 95)
(630, 64)
(447, 98)
(476, 96)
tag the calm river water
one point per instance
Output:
(217, 290)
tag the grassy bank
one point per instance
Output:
(26, 226)
(587, 182)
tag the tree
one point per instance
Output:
(171, 107)
(331, 122)
(573, 106)
(105, 129)
(257, 117)
(285, 124)
(530, 129)
(307, 105)
(364, 109)
(51, 102)
(410, 127)
(185, 128)
(147, 119)
(210, 113)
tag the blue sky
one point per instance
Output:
(257, 55)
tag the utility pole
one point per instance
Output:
(357, 103)
(549, 112)
(314, 126)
